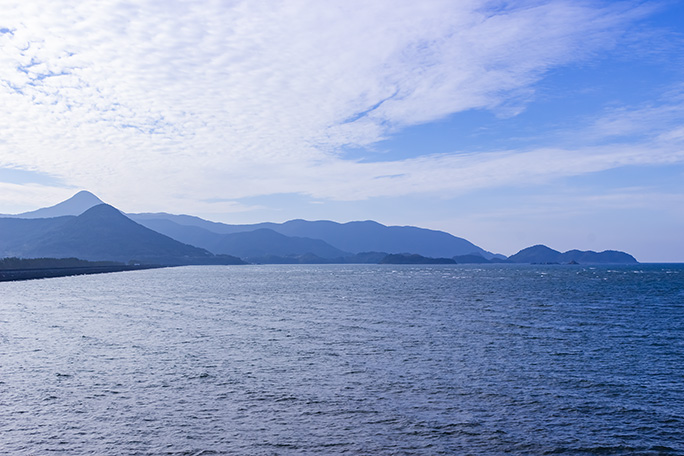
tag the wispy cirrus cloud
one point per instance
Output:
(659, 121)
(185, 101)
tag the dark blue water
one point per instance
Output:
(345, 359)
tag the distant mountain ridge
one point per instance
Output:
(264, 242)
(252, 245)
(350, 237)
(86, 228)
(100, 233)
(544, 254)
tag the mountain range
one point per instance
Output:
(100, 233)
(326, 239)
(85, 227)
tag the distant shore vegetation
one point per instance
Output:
(51, 263)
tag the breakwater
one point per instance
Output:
(7, 275)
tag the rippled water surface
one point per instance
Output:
(345, 359)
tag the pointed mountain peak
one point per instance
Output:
(85, 195)
(76, 205)
(102, 210)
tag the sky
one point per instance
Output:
(508, 123)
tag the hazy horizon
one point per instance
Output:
(507, 124)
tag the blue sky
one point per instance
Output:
(507, 123)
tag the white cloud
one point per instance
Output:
(660, 120)
(168, 102)
(451, 175)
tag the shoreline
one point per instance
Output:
(12, 275)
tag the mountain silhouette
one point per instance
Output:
(85, 228)
(100, 233)
(17, 234)
(264, 242)
(536, 254)
(352, 237)
(255, 244)
(76, 205)
(543, 254)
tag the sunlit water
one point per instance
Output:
(345, 359)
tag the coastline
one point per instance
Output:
(11, 275)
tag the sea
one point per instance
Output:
(346, 359)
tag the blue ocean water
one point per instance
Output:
(345, 359)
